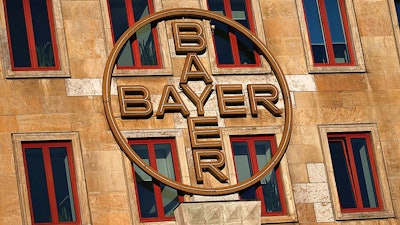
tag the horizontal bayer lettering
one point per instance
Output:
(135, 99)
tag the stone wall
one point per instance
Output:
(73, 103)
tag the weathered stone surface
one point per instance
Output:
(311, 193)
(229, 212)
(316, 172)
(70, 100)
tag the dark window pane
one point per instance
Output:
(140, 9)
(341, 53)
(145, 34)
(144, 182)
(319, 53)
(335, 21)
(239, 12)
(342, 176)
(62, 184)
(337, 31)
(314, 22)
(119, 17)
(142, 151)
(42, 33)
(315, 31)
(242, 160)
(125, 57)
(243, 168)
(245, 46)
(38, 185)
(271, 193)
(246, 49)
(146, 46)
(18, 36)
(221, 34)
(170, 200)
(364, 173)
(249, 193)
(119, 20)
(217, 6)
(269, 183)
(397, 4)
(165, 166)
(145, 194)
(222, 43)
(164, 160)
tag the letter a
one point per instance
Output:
(193, 62)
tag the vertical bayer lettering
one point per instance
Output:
(205, 135)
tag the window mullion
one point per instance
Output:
(134, 45)
(374, 170)
(346, 30)
(73, 181)
(353, 173)
(254, 170)
(326, 31)
(232, 35)
(129, 12)
(52, 33)
(30, 33)
(50, 184)
(249, 13)
(157, 184)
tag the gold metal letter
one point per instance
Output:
(188, 37)
(176, 106)
(202, 135)
(192, 61)
(230, 105)
(134, 101)
(199, 101)
(268, 98)
(211, 165)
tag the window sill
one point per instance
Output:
(337, 69)
(37, 74)
(142, 72)
(365, 215)
(278, 219)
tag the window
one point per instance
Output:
(31, 35)
(51, 182)
(232, 48)
(142, 50)
(355, 172)
(328, 31)
(251, 153)
(156, 201)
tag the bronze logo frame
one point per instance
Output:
(122, 141)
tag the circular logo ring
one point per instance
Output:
(123, 142)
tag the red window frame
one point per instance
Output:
(250, 140)
(327, 34)
(150, 142)
(345, 139)
(31, 38)
(233, 39)
(137, 64)
(45, 146)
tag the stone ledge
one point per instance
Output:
(223, 212)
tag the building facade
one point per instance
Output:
(200, 112)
